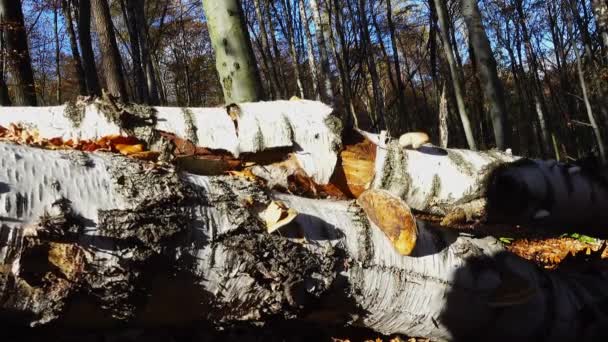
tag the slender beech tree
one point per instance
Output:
(110, 56)
(5, 99)
(535, 82)
(396, 64)
(600, 11)
(66, 6)
(585, 92)
(18, 53)
(457, 83)
(314, 73)
(276, 52)
(289, 33)
(235, 62)
(56, 6)
(492, 86)
(146, 53)
(141, 87)
(88, 57)
(342, 62)
(269, 65)
(377, 94)
(320, 34)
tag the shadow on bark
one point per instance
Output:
(500, 298)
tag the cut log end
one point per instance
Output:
(393, 216)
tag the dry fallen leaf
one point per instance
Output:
(245, 174)
(129, 149)
(277, 215)
(551, 252)
(115, 139)
(393, 216)
(129, 146)
(146, 155)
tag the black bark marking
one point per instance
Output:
(191, 129)
(135, 119)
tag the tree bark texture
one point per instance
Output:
(235, 61)
(20, 64)
(110, 56)
(5, 99)
(308, 127)
(100, 240)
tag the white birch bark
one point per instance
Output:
(515, 191)
(306, 126)
(126, 238)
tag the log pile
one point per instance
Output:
(114, 214)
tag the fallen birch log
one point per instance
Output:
(98, 240)
(305, 127)
(459, 185)
(493, 186)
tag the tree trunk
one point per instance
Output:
(320, 34)
(583, 29)
(403, 112)
(443, 119)
(278, 63)
(5, 99)
(583, 84)
(141, 87)
(378, 96)
(265, 50)
(600, 11)
(486, 63)
(66, 5)
(293, 51)
(18, 53)
(110, 56)
(146, 59)
(88, 57)
(56, 6)
(535, 83)
(314, 73)
(186, 58)
(457, 83)
(235, 61)
(342, 61)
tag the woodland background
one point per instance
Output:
(384, 64)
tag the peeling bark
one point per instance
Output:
(101, 240)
